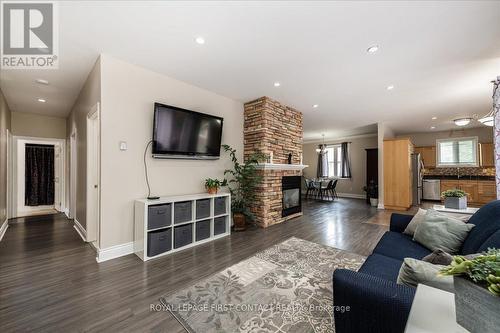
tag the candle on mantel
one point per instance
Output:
(271, 157)
(301, 159)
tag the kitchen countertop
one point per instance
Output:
(462, 177)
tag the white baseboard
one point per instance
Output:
(3, 228)
(351, 195)
(66, 212)
(114, 252)
(80, 230)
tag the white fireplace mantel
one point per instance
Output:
(272, 166)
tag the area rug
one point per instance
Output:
(286, 288)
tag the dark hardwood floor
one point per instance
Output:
(50, 281)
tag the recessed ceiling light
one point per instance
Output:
(462, 121)
(372, 49)
(390, 87)
(41, 100)
(277, 84)
(315, 106)
(433, 127)
(434, 118)
(42, 81)
(200, 40)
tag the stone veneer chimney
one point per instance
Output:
(272, 127)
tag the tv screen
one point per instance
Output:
(180, 133)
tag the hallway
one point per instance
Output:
(50, 280)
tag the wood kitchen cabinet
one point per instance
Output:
(428, 155)
(479, 192)
(397, 174)
(487, 154)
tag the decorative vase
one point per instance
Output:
(476, 308)
(374, 202)
(455, 203)
(240, 223)
(212, 190)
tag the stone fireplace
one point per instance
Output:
(275, 129)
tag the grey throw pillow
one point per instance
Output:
(415, 221)
(438, 257)
(439, 231)
(414, 271)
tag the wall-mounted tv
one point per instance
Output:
(180, 133)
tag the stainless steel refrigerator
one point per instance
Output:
(417, 173)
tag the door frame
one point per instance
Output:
(13, 194)
(93, 169)
(73, 183)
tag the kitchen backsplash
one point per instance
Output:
(463, 172)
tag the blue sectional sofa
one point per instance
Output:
(377, 303)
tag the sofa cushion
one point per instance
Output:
(399, 246)
(487, 223)
(381, 266)
(492, 242)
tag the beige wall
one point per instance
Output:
(5, 119)
(484, 134)
(128, 95)
(89, 96)
(353, 186)
(36, 125)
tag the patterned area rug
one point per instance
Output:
(286, 288)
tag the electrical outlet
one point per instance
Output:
(123, 145)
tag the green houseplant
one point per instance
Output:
(455, 199)
(213, 185)
(477, 290)
(242, 184)
(372, 192)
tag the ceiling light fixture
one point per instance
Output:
(315, 106)
(434, 118)
(42, 81)
(433, 127)
(488, 119)
(200, 40)
(41, 100)
(322, 147)
(462, 121)
(277, 84)
(372, 49)
(390, 87)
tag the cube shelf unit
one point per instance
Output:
(175, 223)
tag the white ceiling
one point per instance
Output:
(440, 56)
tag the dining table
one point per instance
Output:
(320, 184)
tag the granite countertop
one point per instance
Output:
(462, 177)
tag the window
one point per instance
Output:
(334, 155)
(457, 152)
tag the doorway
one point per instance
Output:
(38, 186)
(93, 175)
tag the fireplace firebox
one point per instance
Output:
(292, 203)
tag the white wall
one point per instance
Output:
(38, 126)
(128, 95)
(77, 123)
(5, 117)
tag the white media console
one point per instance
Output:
(175, 223)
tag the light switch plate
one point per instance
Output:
(123, 145)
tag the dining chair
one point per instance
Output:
(310, 188)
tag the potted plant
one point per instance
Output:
(372, 192)
(477, 290)
(213, 185)
(455, 199)
(242, 185)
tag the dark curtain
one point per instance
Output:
(39, 175)
(322, 170)
(346, 162)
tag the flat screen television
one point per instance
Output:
(180, 133)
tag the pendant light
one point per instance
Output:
(319, 150)
(462, 121)
(488, 118)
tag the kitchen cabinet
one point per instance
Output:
(487, 154)
(478, 191)
(428, 155)
(397, 174)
